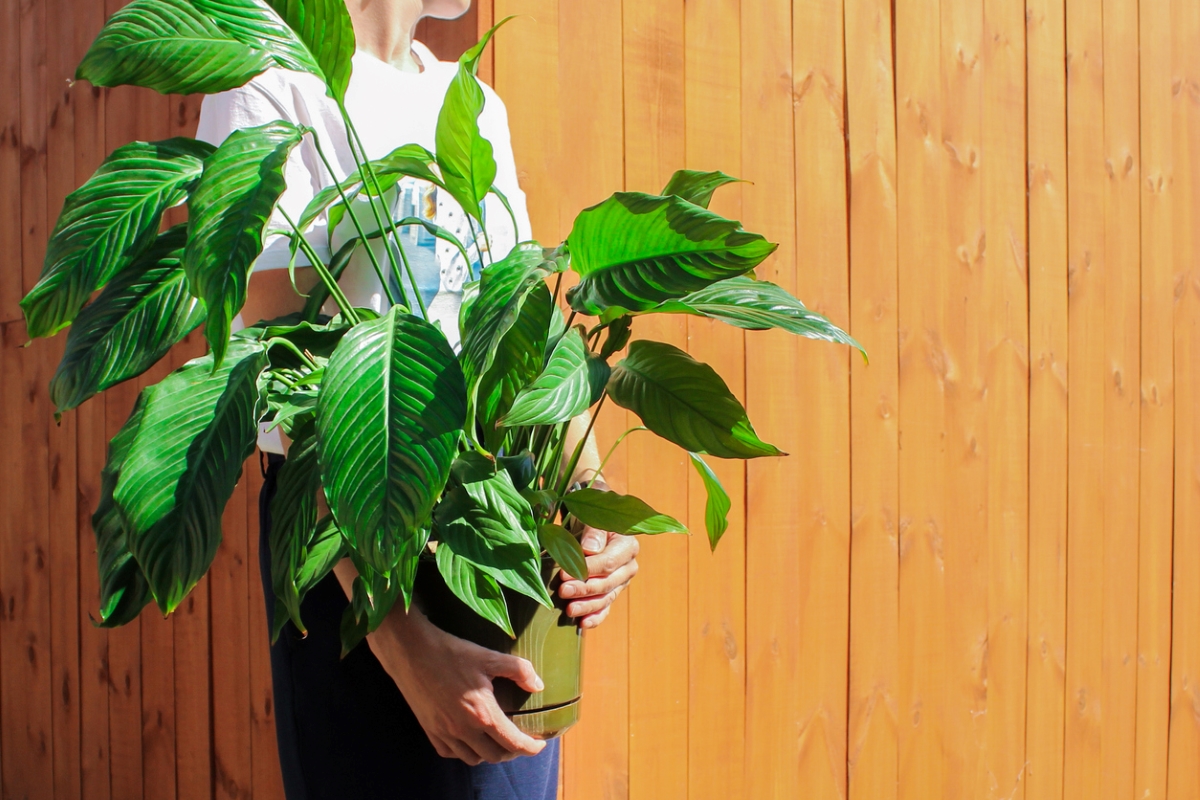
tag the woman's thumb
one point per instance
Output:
(519, 671)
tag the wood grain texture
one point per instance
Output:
(653, 53)
(872, 735)
(1046, 103)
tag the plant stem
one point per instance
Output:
(357, 225)
(557, 286)
(335, 291)
(571, 319)
(365, 166)
(613, 449)
(287, 345)
(564, 481)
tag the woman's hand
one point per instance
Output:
(447, 682)
(612, 563)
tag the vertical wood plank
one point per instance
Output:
(874, 590)
(1047, 144)
(590, 106)
(229, 592)
(1004, 359)
(920, 180)
(10, 155)
(822, 496)
(658, 653)
(716, 582)
(1122, 412)
(1087, 268)
(267, 775)
(1183, 768)
(785, 737)
(1157, 404)
(449, 39)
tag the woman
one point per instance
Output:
(413, 714)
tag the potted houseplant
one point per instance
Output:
(444, 471)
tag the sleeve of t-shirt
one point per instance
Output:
(494, 126)
(249, 106)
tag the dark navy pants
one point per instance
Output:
(345, 730)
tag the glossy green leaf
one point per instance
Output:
(390, 410)
(518, 359)
(504, 289)
(228, 213)
(757, 305)
(685, 402)
(181, 46)
(372, 598)
(198, 426)
(564, 548)
(716, 508)
(478, 590)
(324, 550)
(635, 250)
(489, 524)
(696, 186)
(123, 588)
(142, 312)
(521, 468)
(619, 513)
(464, 155)
(294, 517)
(617, 336)
(107, 223)
(561, 392)
(325, 28)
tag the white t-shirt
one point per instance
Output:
(389, 108)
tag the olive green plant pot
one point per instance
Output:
(548, 638)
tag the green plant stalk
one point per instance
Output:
(486, 240)
(557, 286)
(365, 168)
(613, 449)
(511, 214)
(331, 285)
(357, 225)
(564, 481)
(290, 346)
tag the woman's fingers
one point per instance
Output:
(592, 620)
(594, 587)
(512, 739)
(584, 608)
(516, 669)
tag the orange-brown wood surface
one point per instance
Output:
(975, 576)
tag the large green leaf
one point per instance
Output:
(564, 389)
(373, 595)
(716, 508)
(123, 588)
(619, 513)
(173, 46)
(696, 186)
(106, 223)
(757, 305)
(142, 312)
(325, 28)
(564, 548)
(198, 426)
(635, 250)
(294, 517)
(489, 524)
(478, 590)
(228, 213)
(684, 402)
(324, 550)
(391, 407)
(504, 289)
(464, 155)
(517, 361)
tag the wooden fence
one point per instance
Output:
(977, 575)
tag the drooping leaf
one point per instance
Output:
(716, 508)
(619, 513)
(227, 214)
(107, 223)
(561, 392)
(179, 46)
(123, 588)
(142, 312)
(757, 305)
(564, 548)
(635, 250)
(464, 155)
(198, 426)
(504, 289)
(372, 597)
(478, 590)
(472, 466)
(324, 550)
(294, 517)
(390, 410)
(685, 402)
(521, 468)
(325, 28)
(696, 186)
(489, 524)
(618, 333)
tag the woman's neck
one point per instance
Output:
(384, 28)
